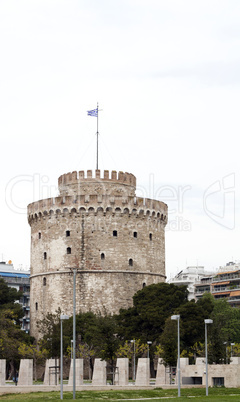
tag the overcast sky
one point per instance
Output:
(166, 74)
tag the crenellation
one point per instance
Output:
(114, 175)
(74, 176)
(95, 200)
(120, 176)
(106, 174)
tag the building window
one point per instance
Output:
(144, 284)
(102, 256)
(44, 255)
(218, 381)
(39, 235)
(115, 233)
(130, 262)
(67, 233)
(44, 281)
(135, 234)
(69, 250)
(150, 236)
(36, 306)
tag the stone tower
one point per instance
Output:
(97, 225)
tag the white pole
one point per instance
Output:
(134, 366)
(62, 317)
(74, 332)
(207, 321)
(179, 385)
(61, 353)
(177, 317)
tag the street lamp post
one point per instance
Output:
(74, 332)
(148, 343)
(177, 317)
(134, 365)
(225, 343)
(71, 349)
(50, 339)
(62, 317)
(207, 321)
(232, 344)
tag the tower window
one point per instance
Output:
(135, 234)
(130, 262)
(102, 256)
(36, 306)
(67, 233)
(150, 236)
(44, 255)
(144, 284)
(69, 250)
(115, 233)
(44, 281)
(39, 235)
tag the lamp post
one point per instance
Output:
(71, 349)
(62, 317)
(177, 318)
(232, 344)
(50, 339)
(74, 332)
(148, 343)
(134, 366)
(225, 343)
(207, 321)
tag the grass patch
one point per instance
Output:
(193, 394)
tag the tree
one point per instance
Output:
(8, 302)
(151, 307)
(225, 328)
(33, 352)
(11, 335)
(8, 295)
(192, 332)
(49, 328)
(169, 343)
(126, 350)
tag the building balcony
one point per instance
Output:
(230, 288)
(201, 291)
(231, 277)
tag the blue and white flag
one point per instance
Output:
(93, 112)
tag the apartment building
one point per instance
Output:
(18, 279)
(224, 284)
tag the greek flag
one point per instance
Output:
(93, 112)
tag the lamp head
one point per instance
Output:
(175, 317)
(208, 321)
(64, 317)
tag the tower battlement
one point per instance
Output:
(81, 182)
(95, 204)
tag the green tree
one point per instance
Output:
(32, 352)
(168, 341)
(49, 328)
(225, 328)
(151, 307)
(11, 335)
(192, 326)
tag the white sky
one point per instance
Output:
(167, 76)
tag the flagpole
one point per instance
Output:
(97, 136)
